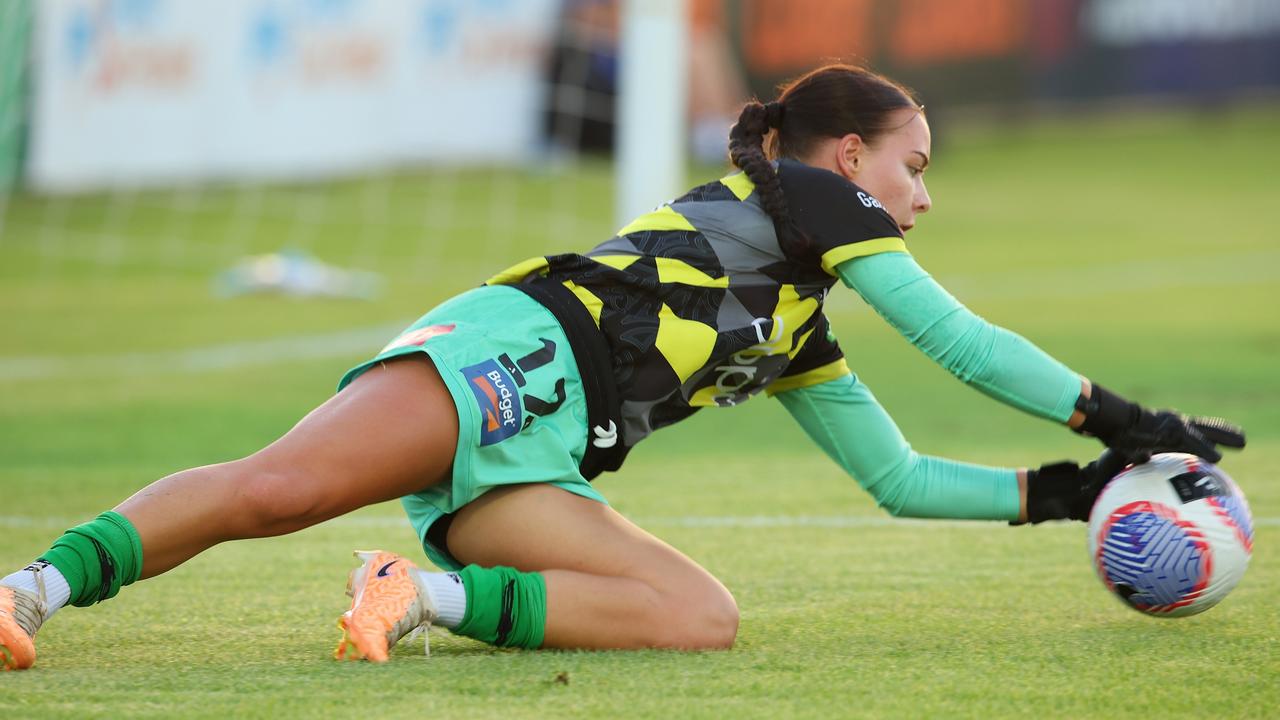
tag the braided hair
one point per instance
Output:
(746, 151)
(831, 101)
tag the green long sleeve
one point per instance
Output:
(1000, 363)
(846, 421)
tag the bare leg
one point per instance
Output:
(392, 432)
(610, 584)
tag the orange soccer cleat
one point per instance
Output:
(387, 602)
(21, 613)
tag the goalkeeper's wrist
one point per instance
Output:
(1105, 413)
(1053, 490)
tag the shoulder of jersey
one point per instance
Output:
(808, 183)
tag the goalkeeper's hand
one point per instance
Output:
(1137, 433)
(1066, 491)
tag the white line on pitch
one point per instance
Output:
(226, 356)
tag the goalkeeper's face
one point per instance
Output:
(892, 169)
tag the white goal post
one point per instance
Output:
(651, 106)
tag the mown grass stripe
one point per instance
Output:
(1154, 274)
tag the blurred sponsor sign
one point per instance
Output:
(1136, 22)
(149, 91)
(966, 51)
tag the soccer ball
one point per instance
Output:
(1172, 536)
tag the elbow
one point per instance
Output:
(968, 356)
(893, 489)
(967, 363)
(897, 511)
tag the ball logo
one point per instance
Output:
(495, 392)
(1198, 484)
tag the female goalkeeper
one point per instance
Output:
(490, 415)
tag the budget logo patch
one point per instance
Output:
(495, 392)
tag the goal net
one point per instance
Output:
(426, 140)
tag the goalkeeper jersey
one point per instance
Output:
(699, 304)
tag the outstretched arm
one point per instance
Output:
(846, 421)
(1007, 367)
(1000, 363)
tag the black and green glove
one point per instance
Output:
(1138, 433)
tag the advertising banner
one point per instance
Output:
(958, 52)
(147, 92)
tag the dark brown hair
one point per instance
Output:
(829, 102)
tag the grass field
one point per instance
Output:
(1141, 251)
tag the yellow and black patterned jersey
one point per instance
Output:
(699, 304)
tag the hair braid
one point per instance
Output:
(746, 151)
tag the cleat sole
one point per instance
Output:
(346, 649)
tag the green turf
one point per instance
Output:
(1141, 251)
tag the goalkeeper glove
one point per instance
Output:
(1066, 491)
(1137, 433)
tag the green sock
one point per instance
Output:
(98, 558)
(505, 607)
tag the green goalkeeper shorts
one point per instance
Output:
(522, 415)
